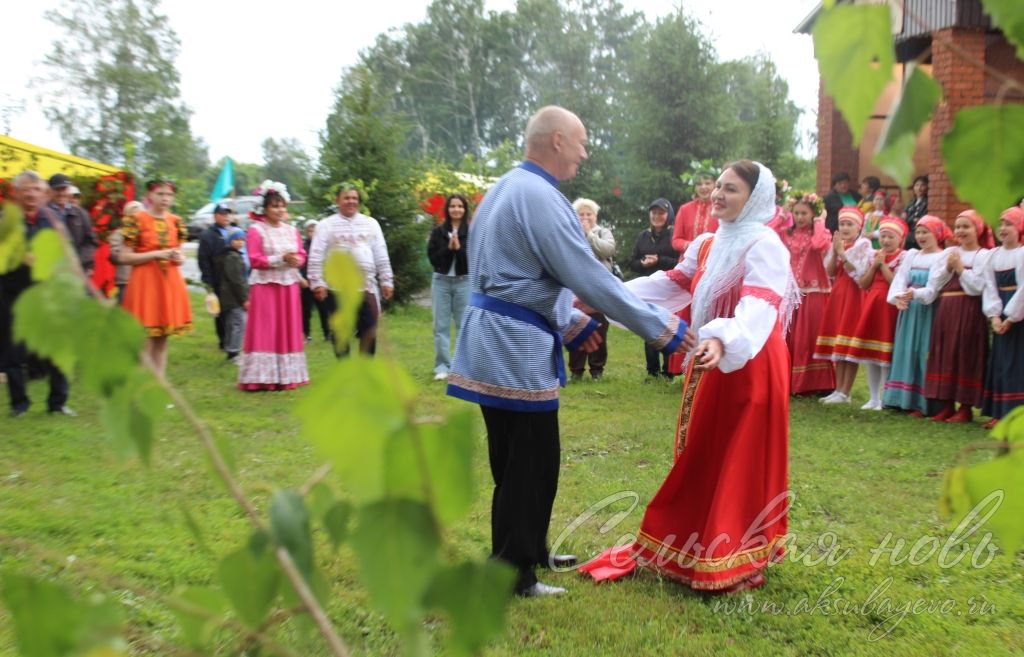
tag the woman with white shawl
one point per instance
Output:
(720, 517)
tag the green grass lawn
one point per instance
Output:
(71, 511)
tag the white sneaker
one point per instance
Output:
(872, 405)
(827, 399)
(839, 398)
(441, 376)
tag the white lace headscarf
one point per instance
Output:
(724, 268)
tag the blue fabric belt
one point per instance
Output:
(523, 314)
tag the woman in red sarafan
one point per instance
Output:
(720, 517)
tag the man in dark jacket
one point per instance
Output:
(14, 357)
(77, 220)
(653, 252)
(839, 197)
(212, 244)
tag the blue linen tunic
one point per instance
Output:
(527, 248)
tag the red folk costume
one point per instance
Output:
(721, 515)
(156, 292)
(871, 343)
(842, 313)
(807, 249)
(692, 220)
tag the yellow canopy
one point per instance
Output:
(16, 156)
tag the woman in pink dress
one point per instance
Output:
(272, 354)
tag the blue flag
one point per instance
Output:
(225, 182)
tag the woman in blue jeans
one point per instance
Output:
(450, 287)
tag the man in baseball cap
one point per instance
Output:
(212, 243)
(76, 219)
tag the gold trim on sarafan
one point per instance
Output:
(690, 383)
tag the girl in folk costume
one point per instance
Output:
(272, 356)
(693, 219)
(876, 328)
(1003, 304)
(808, 241)
(720, 516)
(914, 291)
(847, 260)
(959, 345)
(155, 293)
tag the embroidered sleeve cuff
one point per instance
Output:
(677, 337)
(674, 330)
(762, 293)
(579, 332)
(275, 260)
(679, 278)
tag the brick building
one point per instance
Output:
(944, 36)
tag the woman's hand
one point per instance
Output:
(648, 261)
(709, 354)
(291, 259)
(453, 242)
(879, 258)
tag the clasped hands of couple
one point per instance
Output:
(709, 352)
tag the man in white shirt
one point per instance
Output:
(362, 238)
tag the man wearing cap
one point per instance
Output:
(212, 244)
(29, 194)
(76, 220)
(653, 252)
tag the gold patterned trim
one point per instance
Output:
(709, 564)
(693, 379)
(876, 345)
(823, 365)
(700, 584)
(953, 294)
(1008, 288)
(667, 335)
(576, 329)
(503, 391)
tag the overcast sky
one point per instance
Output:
(305, 44)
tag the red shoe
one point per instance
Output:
(965, 414)
(915, 414)
(991, 424)
(943, 415)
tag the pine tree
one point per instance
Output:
(363, 142)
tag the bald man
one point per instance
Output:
(527, 256)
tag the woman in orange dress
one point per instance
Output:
(156, 291)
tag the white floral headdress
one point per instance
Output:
(265, 188)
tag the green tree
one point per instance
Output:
(761, 113)
(286, 161)
(674, 108)
(112, 89)
(363, 142)
(455, 78)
